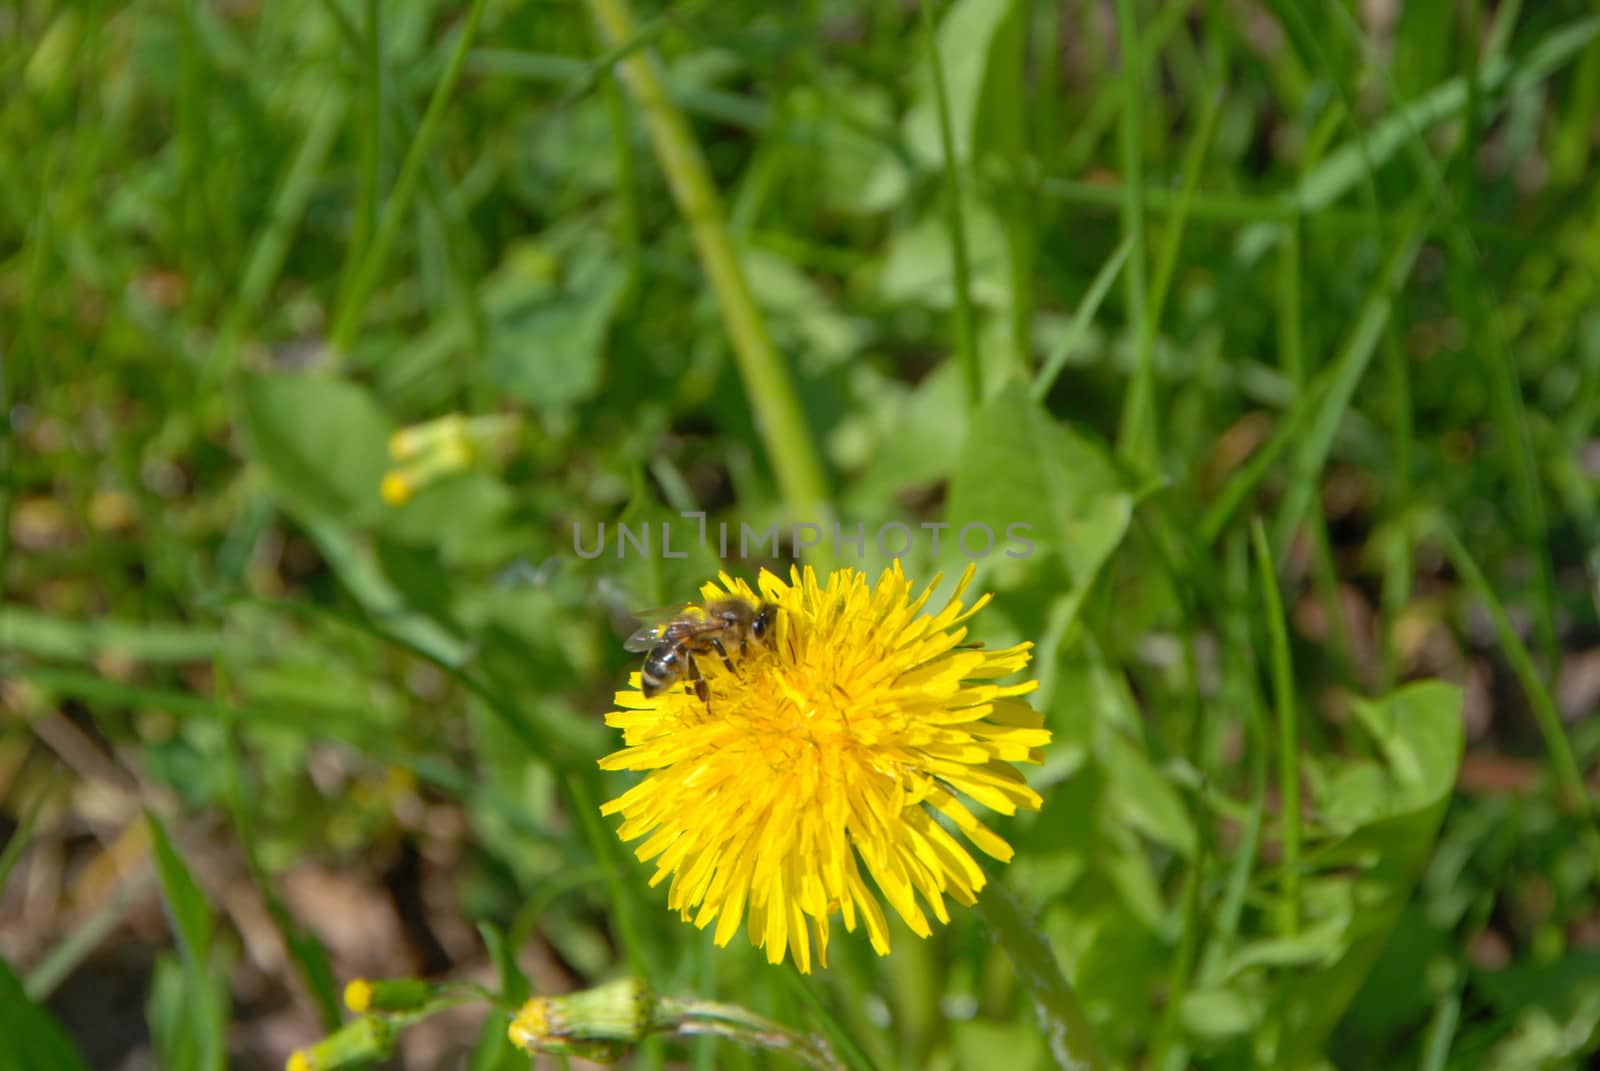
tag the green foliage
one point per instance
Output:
(1134, 282)
(188, 1003)
(33, 1040)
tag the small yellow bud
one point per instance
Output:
(358, 995)
(396, 489)
(387, 995)
(426, 452)
(298, 1062)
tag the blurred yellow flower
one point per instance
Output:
(427, 452)
(827, 753)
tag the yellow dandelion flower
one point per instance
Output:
(823, 760)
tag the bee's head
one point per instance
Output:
(765, 621)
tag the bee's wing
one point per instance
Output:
(654, 623)
(643, 639)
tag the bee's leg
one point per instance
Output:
(701, 689)
(722, 652)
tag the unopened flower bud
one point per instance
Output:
(386, 994)
(361, 1042)
(618, 1012)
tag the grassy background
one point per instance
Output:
(1277, 322)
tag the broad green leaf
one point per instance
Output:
(1546, 1041)
(978, 58)
(465, 517)
(548, 351)
(1019, 466)
(915, 439)
(978, 1040)
(323, 442)
(919, 268)
(1119, 974)
(418, 575)
(859, 164)
(33, 1040)
(1397, 990)
(359, 572)
(1220, 1014)
(1142, 797)
(1418, 733)
(804, 321)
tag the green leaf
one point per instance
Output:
(362, 576)
(548, 351)
(1019, 466)
(1140, 796)
(190, 915)
(24, 630)
(323, 442)
(914, 438)
(920, 265)
(198, 1023)
(494, 1051)
(975, 55)
(977, 1041)
(418, 576)
(33, 1040)
(1341, 169)
(1418, 733)
(805, 321)
(1219, 1014)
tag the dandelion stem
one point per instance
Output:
(778, 416)
(1072, 1043)
(692, 1018)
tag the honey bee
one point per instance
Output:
(680, 633)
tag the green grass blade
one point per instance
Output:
(267, 254)
(1137, 440)
(1324, 402)
(1082, 317)
(1194, 158)
(779, 419)
(81, 942)
(1347, 165)
(20, 837)
(955, 219)
(1345, 374)
(1563, 763)
(853, 1054)
(347, 320)
(1288, 733)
